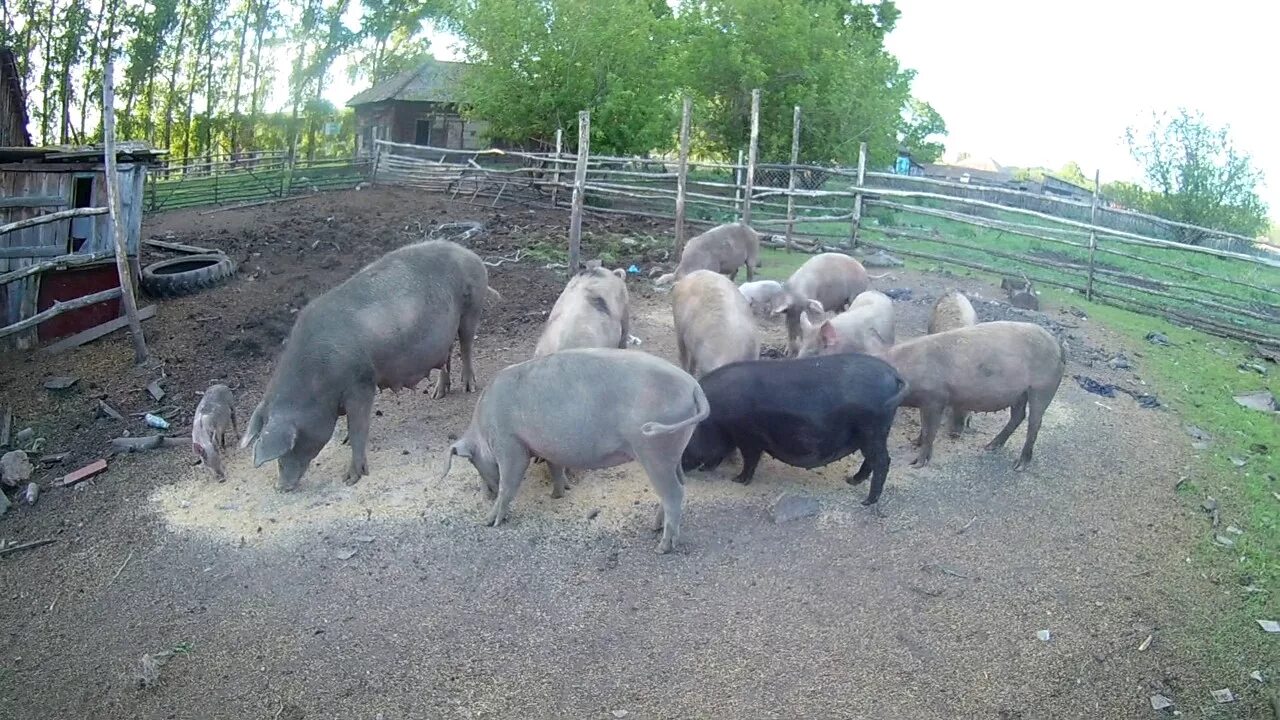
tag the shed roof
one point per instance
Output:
(78, 153)
(433, 81)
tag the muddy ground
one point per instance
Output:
(387, 599)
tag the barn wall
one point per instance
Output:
(19, 299)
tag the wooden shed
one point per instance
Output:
(418, 106)
(78, 246)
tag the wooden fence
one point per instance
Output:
(1118, 257)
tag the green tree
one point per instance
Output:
(923, 128)
(1072, 173)
(538, 62)
(826, 56)
(1195, 174)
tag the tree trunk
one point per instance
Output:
(235, 98)
(173, 78)
(208, 100)
(259, 23)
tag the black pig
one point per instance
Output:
(808, 413)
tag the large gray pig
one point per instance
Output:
(982, 368)
(953, 310)
(713, 323)
(387, 326)
(866, 327)
(585, 408)
(722, 249)
(593, 310)
(826, 282)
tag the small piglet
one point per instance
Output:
(982, 368)
(213, 428)
(722, 249)
(807, 413)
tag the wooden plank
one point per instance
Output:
(31, 251)
(6, 425)
(682, 173)
(32, 201)
(83, 473)
(93, 333)
(753, 152)
(178, 247)
(117, 215)
(791, 175)
(579, 190)
(51, 217)
(59, 262)
(57, 309)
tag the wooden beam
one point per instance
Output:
(31, 201)
(555, 183)
(179, 247)
(857, 195)
(93, 333)
(51, 217)
(791, 176)
(753, 153)
(32, 251)
(682, 173)
(117, 214)
(58, 308)
(58, 263)
(1093, 236)
(579, 190)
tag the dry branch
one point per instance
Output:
(51, 217)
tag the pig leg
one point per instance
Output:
(958, 418)
(359, 405)
(558, 482)
(686, 360)
(467, 327)
(930, 419)
(512, 464)
(663, 469)
(1016, 415)
(877, 457)
(1037, 403)
(750, 459)
(442, 379)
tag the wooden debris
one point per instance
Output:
(1145, 644)
(178, 247)
(83, 473)
(967, 525)
(31, 493)
(154, 389)
(60, 382)
(1270, 626)
(105, 410)
(1223, 696)
(6, 425)
(123, 565)
(1160, 702)
(26, 546)
(93, 333)
(54, 458)
(143, 444)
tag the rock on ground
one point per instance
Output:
(15, 468)
(792, 506)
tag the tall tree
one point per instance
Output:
(922, 131)
(538, 62)
(1195, 174)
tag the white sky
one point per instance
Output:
(1033, 83)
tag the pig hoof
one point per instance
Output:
(870, 501)
(919, 462)
(854, 480)
(954, 434)
(1022, 464)
(742, 479)
(664, 547)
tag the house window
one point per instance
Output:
(81, 197)
(422, 134)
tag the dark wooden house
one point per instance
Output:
(417, 107)
(13, 106)
(40, 181)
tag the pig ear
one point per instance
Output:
(828, 334)
(276, 440)
(253, 428)
(621, 273)
(782, 306)
(199, 451)
(815, 307)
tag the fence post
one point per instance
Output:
(579, 190)
(753, 153)
(555, 186)
(857, 194)
(682, 173)
(1093, 235)
(791, 176)
(115, 207)
(737, 185)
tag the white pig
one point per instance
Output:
(713, 323)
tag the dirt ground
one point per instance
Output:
(387, 600)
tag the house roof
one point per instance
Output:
(11, 84)
(131, 150)
(433, 81)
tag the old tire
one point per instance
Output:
(186, 275)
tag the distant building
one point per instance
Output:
(1058, 187)
(976, 171)
(418, 107)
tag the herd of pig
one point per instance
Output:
(585, 401)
